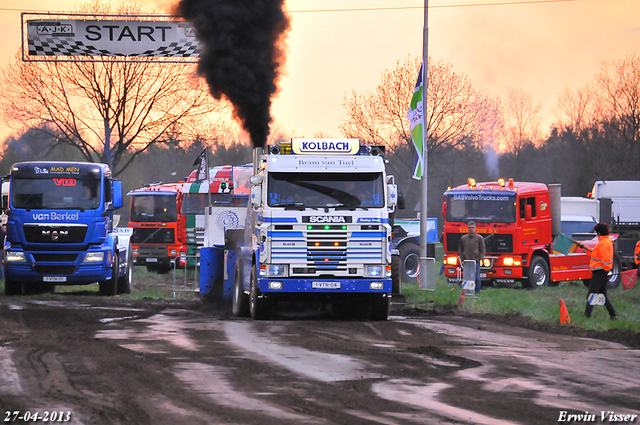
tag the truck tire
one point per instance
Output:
(379, 306)
(409, 262)
(396, 282)
(126, 282)
(538, 275)
(240, 301)
(615, 277)
(11, 287)
(259, 307)
(110, 286)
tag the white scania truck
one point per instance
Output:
(317, 228)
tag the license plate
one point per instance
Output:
(152, 260)
(54, 279)
(325, 285)
(483, 275)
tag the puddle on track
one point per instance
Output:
(315, 365)
(564, 373)
(9, 377)
(208, 379)
(160, 329)
(425, 397)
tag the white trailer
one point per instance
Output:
(619, 202)
(578, 216)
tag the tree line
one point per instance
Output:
(596, 135)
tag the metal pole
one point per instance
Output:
(206, 158)
(423, 181)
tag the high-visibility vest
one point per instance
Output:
(602, 254)
(637, 253)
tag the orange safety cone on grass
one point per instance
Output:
(564, 314)
(461, 299)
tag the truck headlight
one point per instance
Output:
(275, 285)
(15, 257)
(376, 286)
(511, 261)
(373, 271)
(451, 261)
(94, 257)
(277, 270)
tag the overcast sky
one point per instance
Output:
(336, 46)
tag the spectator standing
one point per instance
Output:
(472, 248)
(636, 255)
(600, 265)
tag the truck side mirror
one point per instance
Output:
(116, 197)
(392, 196)
(256, 196)
(527, 212)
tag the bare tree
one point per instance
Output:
(618, 98)
(522, 126)
(457, 114)
(110, 110)
(574, 110)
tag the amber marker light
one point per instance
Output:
(451, 261)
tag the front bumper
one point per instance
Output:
(324, 285)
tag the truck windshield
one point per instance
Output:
(195, 203)
(349, 190)
(55, 193)
(155, 208)
(490, 208)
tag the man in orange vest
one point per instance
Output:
(600, 265)
(637, 255)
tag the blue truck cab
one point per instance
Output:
(60, 228)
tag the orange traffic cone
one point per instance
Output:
(461, 299)
(564, 314)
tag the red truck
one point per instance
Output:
(520, 223)
(159, 236)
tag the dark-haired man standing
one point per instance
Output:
(600, 265)
(472, 248)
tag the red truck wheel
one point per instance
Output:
(538, 273)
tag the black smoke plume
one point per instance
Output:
(243, 50)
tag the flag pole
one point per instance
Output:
(206, 156)
(423, 181)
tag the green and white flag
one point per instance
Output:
(414, 115)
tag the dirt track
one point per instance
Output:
(107, 361)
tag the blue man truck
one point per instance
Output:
(60, 229)
(317, 228)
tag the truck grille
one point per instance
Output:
(57, 257)
(327, 251)
(35, 233)
(153, 235)
(338, 250)
(158, 251)
(46, 270)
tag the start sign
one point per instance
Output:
(140, 38)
